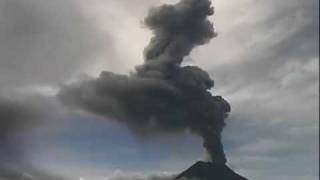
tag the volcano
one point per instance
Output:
(209, 171)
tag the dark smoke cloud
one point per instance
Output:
(18, 116)
(161, 95)
(177, 30)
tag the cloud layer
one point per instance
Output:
(44, 42)
(264, 61)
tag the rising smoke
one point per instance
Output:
(162, 95)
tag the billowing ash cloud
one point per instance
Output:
(162, 95)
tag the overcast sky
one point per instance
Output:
(264, 61)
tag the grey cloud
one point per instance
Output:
(283, 114)
(18, 116)
(262, 143)
(297, 40)
(22, 113)
(27, 174)
(15, 117)
(272, 85)
(44, 42)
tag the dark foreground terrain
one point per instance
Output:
(209, 171)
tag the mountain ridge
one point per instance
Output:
(209, 171)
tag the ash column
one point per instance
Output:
(212, 133)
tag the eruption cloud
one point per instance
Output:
(162, 96)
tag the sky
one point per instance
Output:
(264, 61)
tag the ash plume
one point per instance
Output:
(162, 96)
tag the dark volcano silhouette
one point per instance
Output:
(209, 171)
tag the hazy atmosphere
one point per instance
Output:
(82, 95)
